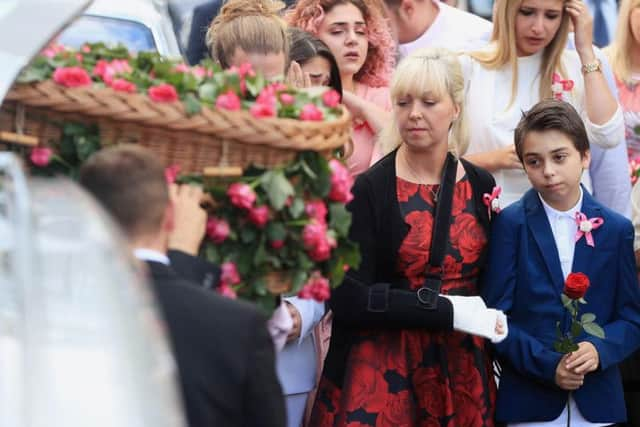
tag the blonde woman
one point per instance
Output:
(525, 63)
(624, 56)
(250, 31)
(395, 359)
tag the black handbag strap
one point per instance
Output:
(428, 293)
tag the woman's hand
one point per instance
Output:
(583, 29)
(296, 77)
(493, 161)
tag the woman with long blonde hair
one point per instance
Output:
(526, 62)
(624, 56)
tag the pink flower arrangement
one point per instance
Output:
(266, 104)
(311, 113)
(163, 93)
(331, 98)
(122, 85)
(317, 287)
(229, 101)
(71, 77)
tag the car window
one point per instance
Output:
(134, 35)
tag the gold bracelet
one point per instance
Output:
(591, 67)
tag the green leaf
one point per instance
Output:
(582, 301)
(260, 257)
(297, 207)
(594, 329)
(247, 235)
(277, 187)
(566, 301)
(191, 104)
(340, 218)
(299, 277)
(276, 231)
(319, 166)
(207, 92)
(588, 318)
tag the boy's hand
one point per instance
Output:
(584, 360)
(566, 379)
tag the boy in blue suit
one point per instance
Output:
(535, 243)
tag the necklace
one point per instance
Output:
(418, 181)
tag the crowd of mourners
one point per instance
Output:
(492, 197)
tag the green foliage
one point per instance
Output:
(566, 342)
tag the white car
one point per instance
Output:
(140, 25)
(81, 341)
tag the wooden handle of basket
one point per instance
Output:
(222, 171)
(16, 138)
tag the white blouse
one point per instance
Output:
(492, 121)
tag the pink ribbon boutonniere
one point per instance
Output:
(560, 86)
(586, 226)
(492, 201)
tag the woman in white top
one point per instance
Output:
(526, 62)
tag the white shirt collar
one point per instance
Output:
(145, 254)
(555, 213)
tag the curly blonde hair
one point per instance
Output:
(255, 26)
(380, 61)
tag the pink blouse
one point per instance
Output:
(363, 137)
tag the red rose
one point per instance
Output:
(468, 237)
(71, 76)
(228, 101)
(277, 244)
(41, 156)
(311, 113)
(576, 285)
(405, 189)
(163, 93)
(122, 85)
(241, 195)
(331, 98)
(259, 216)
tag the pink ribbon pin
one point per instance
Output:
(492, 200)
(559, 85)
(586, 226)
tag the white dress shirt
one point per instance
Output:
(564, 227)
(144, 254)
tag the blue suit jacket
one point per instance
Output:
(524, 279)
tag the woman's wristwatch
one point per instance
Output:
(591, 67)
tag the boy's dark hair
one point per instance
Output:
(129, 182)
(552, 114)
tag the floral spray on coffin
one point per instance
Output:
(282, 230)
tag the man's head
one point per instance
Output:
(552, 144)
(129, 182)
(409, 19)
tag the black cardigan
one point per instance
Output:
(375, 295)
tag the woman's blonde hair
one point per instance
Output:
(433, 70)
(503, 48)
(255, 26)
(619, 52)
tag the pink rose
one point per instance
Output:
(277, 244)
(229, 274)
(108, 70)
(241, 195)
(320, 252)
(171, 173)
(287, 99)
(79, 57)
(181, 68)
(277, 87)
(52, 50)
(228, 101)
(341, 182)
(86, 48)
(218, 230)
(199, 71)
(317, 287)
(71, 76)
(311, 113)
(316, 242)
(331, 98)
(226, 291)
(41, 156)
(243, 70)
(266, 104)
(316, 209)
(259, 216)
(163, 93)
(122, 85)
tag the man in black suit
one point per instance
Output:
(224, 353)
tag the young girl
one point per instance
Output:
(394, 359)
(360, 39)
(535, 243)
(525, 63)
(317, 65)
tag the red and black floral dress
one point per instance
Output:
(412, 377)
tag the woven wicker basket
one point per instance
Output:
(213, 138)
